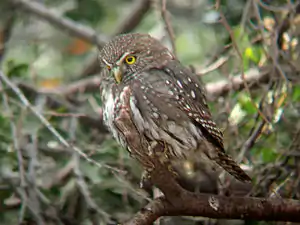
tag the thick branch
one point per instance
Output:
(79, 30)
(179, 202)
(229, 208)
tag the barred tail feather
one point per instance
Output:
(228, 164)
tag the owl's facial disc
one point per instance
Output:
(118, 68)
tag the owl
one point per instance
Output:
(167, 102)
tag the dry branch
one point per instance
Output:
(79, 30)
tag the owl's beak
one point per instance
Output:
(117, 74)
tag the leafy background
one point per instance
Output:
(42, 181)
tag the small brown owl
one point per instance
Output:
(167, 101)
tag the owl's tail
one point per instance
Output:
(227, 163)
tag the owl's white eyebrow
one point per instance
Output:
(121, 59)
(107, 63)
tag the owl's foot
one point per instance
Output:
(171, 169)
(151, 148)
(145, 182)
(161, 154)
(165, 159)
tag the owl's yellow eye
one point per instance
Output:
(130, 59)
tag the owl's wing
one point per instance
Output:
(193, 102)
(175, 92)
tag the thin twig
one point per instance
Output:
(6, 32)
(213, 66)
(92, 206)
(33, 164)
(17, 148)
(227, 27)
(166, 18)
(80, 178)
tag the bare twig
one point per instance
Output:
(92, 206)
(82, 186)
(166, 18)
(33, 197)
(17, 148)
(6, 32)
(215, 65)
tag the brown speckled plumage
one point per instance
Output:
(167, 102)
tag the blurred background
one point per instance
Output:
(246, 52)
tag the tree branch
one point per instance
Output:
(79, 30)
(229, 208)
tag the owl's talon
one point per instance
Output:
(152, 145)
(145, 182)
(171, 169)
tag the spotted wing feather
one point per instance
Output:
(193, 101)
(164, 96)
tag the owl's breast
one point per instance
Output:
(110, 101)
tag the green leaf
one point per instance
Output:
(247, 105)
(91, 171)
(296, 94)
(16, 70)
(87, 10)
(241, 38)
(253, 54)
(268, 155)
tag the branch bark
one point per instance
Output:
(229, 208)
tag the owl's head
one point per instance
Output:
(128, 54)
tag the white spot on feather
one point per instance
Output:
(170, 92)
(179, 84)
(155, 115)
(193, 94)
